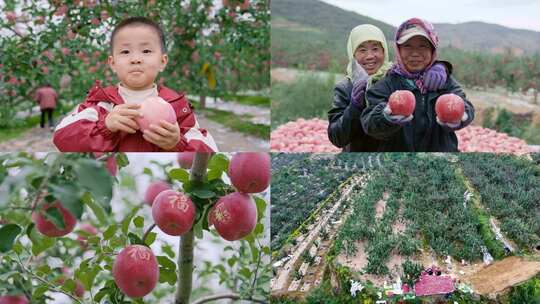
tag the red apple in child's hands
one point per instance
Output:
(450, 108)
(402, 102)
(153, 110)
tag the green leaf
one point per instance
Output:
(69, 285)
(93, 176)
(128, 218)
(254, 252)
(167, 275)
(203, 193)
(43, 270)
(69, 196)
(134, 239)
(232, 260)
(110, 231)
(167, 249)
(98, 211)
(266, 250)
(261, 207)
(214, 174)
(148, 172)
(150, 238)
(165, 262)
(139, 221)
(18, 248)
(198, 230)
(8, 234)
(259, 228)
(219, 162)
(40, 242)
(39, 291)
(179, 175)
(245, 272)
(88, 276)
(55, 216)
(121, 160)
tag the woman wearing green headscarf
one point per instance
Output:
(368, 54)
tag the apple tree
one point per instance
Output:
(75, 225)
(213, 49)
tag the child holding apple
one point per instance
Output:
(402, 112)
(136, 115)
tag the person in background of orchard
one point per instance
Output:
(416, 45)
(107, 120)
(368, 53)
(46, 97)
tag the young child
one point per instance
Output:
(105, 121)
(416, 53)
(368, 52)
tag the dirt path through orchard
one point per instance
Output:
(227, 140)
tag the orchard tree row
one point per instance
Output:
(303, 182)
(510, 190)
(425, 194)
(63, 231)
(213, 50)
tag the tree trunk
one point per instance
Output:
(202, 101)
(187, 241)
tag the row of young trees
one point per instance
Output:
(430, 194)
(214, 50)
(301, 182)
(510, 188)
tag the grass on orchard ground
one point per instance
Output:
(306, 97)
(11, 133)
(238, 123)
(260, 101)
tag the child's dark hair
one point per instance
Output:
(138, 21)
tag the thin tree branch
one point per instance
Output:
(49, 285)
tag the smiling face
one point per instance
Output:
(137, 57)
(370, 55)
(416, 53)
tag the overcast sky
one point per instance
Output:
(522, 14)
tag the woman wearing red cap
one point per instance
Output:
(368, 63)
(422, 131)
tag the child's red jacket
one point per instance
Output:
(84, 130)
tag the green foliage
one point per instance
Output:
(411, 272)
(517, 125)
(238, 123)
(491, 176)
(212, 54)
(251, 100)
(308, 96)
(528, 292)
(301, 184)
(32, 263)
